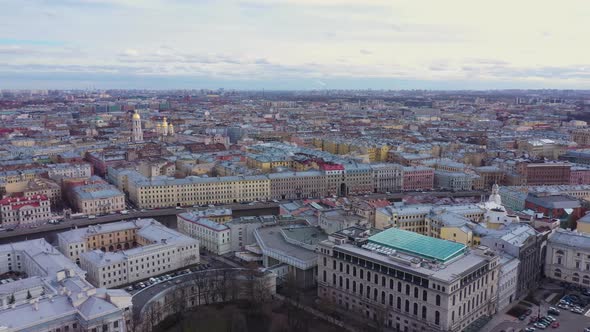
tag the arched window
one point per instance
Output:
(424, 295)
(399, 286)
(407, 306)
(407, 289)
(415, 309)
(437, 299)
(557, 273)
(324, 276)
(391, 300)
(437, 318)
(576, 277)
(416, 292)
(586, 280)
(399, 303)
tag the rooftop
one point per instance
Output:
(417, 244)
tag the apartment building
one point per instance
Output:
(387, 177)
(54, 295)
(408, 281)
(24, 210)
(46, 187)
(121, 253)
(67, 170)
(98, 198)
(165, 192)
(417, 178)
(212, 236)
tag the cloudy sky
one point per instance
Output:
(295, 44)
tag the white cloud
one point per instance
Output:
(271, 39)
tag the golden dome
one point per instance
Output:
(136, 116)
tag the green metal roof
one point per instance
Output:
(417, 244)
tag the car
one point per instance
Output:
(540, 326)
(551, 318)
(178, 208)
(530, 329)
(522, 317)
(553, 312)
(587, 329)
(563, 306)
(129, 288)
(555, 325)
(578, 311)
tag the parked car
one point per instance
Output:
(522, 317)
(530, 329)
(555, 325)
(540, 326)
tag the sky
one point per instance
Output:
(294, 44)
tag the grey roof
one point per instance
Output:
(270, 239)
(96, 191)
(571, 239)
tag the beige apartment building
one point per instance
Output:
(165, 192)
(99, 198)
(124, 252)
(407, 281)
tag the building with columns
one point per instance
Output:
(407, 281)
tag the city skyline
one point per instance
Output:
(293, 44)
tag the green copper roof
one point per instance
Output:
(413, 243)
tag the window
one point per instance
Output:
(557, 273)
(424, 295)
(437, 299)
(437, 318)
(423, 312)
(416, 292)
(407, 306)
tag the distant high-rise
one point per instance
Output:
(137, 132)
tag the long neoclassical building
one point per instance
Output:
(407, 281)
